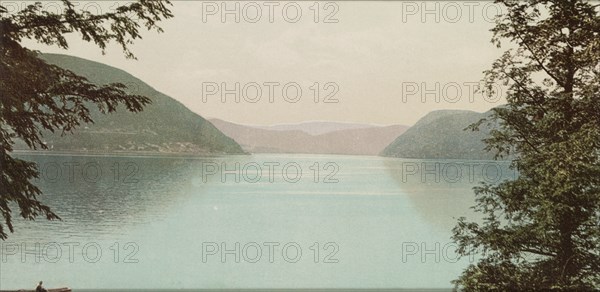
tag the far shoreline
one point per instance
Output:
(124, 153)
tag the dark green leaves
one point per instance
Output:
(36, 96)
(542, 230)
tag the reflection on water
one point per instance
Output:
(97, 195)
(441, 190)
(355, 220)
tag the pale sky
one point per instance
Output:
(379, 54)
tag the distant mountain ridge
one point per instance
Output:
(316, 127)
(165, 126)
(336, 138)
(441, 135)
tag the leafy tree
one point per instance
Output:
(36, 96)
(542, 230)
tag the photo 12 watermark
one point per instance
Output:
(69, 252)
(490, 172)
(450, 92)
(269, 252)
(269, 171)
(269, 12)
(89, 172)
(431, 252)
(269, 92)
(58, 7)
(450, 11)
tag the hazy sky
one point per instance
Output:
(379, 56)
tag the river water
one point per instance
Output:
(256, 221)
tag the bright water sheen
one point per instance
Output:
(157, 220)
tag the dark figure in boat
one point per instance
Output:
(40, 288)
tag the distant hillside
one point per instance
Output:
(315, 127)
(440, 135)
(357, 140)
(166, 125)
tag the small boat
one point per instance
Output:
(49, 290)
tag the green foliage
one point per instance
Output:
(166, 125)
(440, 135)
(36, 96)
(542, 230)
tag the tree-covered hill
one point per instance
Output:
(165, 126)
(441, 135)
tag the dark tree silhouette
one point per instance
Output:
(542, 230)
(36, 96)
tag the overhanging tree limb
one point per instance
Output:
(35, 95)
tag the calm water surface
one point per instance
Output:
(171, 222)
